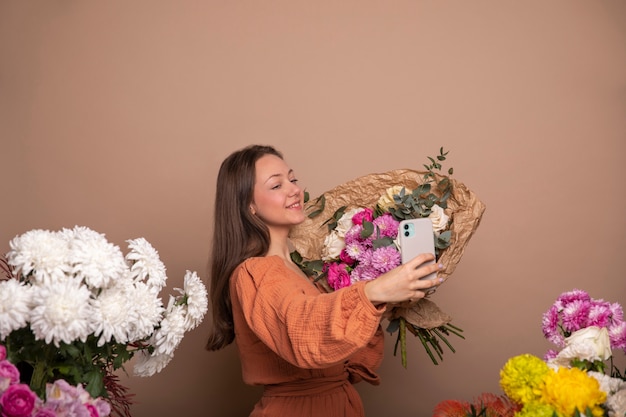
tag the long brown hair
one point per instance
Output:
(237, 235)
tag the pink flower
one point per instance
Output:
(575, 316)
(571, 296)
(45, 412)
(599, 314)
(338, 276)
(385, 259)
(366, 214)
(9, 375)
(364, 272)
(345, 257)
(3, 353)
(387, 225)
(353, 235)
(617, 334)
(18, 401)
(550, 326)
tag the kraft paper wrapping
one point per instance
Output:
(464, 209)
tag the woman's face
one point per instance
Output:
(277, 199)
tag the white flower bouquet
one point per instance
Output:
(73, 307)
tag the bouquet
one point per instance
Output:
(572, 382)
(73, 309)
(586, 330)
(358, 240)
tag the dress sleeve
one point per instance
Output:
(307, 328)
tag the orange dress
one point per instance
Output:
(307, 348)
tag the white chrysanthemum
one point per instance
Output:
(172, 330)
(42, 252)
(61, 312)
(14, 306)
(195, 297)
(148, 365)
(94, 259)
(113, 315)
(148, 311)
(145, 264)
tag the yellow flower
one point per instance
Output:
(536, 409)
(386, 200)
(571, 388)
(522, 376)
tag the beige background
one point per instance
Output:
(116, 114)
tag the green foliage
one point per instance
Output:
(85, 363)
(420, 201)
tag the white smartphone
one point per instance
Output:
(415, 236)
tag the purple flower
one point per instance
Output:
(99, 408)
(18, 401)
(354, 250)
(353, 235)
(550, 326)
(9, 374)
(365, 257)
(599, 314)
(387, 225)
(617, 335)
(550, 354)
(364, 272)
(570, 297)
(45, 412)
(366, 214)
(617, 313)
(386, 258)
(338, 276)
(575, 316)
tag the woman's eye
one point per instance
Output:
(295, 180)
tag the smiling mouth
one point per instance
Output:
(294, 205)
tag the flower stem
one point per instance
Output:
(38, 379)
(403, 341)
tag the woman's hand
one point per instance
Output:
(403, 283)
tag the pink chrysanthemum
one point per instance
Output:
(364, 272)
(617, 335)
(365, 257)
(354, 250)
(387, 225)
(575, 315)
(550, 326)
(386, 258)
(550, 354)
(617, 313)
(599, 314)
(353, 235)
(570, 297)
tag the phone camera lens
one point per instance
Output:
(406, 233)
(406, 227)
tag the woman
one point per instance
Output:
(305, 347)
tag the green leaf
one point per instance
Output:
(393, 326)
(382, 242)
(296, 257)
(368, 229)
(421, 190)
